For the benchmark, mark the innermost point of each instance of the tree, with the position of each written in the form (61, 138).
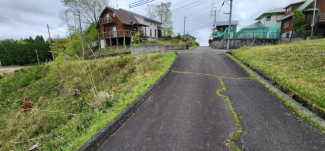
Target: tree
(89, 9)
(299, 23)
(151, 11)
(59, 46)
(22, 52)
(165, 16)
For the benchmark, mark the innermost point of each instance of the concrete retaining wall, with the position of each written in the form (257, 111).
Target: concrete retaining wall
(148, 49)
(158, 48)
(292, 39)
(237, 43)
(175, 47)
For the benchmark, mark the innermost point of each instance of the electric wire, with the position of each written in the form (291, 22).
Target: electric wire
(137, 4)
(201, 10)
(179, 9)
(263, 4)
(178, 3)
(200, 27)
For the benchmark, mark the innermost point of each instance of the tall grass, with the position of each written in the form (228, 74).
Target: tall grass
(64, 120)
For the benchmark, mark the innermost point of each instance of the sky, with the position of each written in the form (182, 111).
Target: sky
(24, 18)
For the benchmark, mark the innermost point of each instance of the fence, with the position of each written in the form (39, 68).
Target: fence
(259, 33)
(252, 33)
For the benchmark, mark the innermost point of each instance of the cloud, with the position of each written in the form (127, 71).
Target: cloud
(24, 18)
(21, 19)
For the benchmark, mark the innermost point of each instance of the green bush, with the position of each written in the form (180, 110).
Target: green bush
(210, 41)
(136, 38)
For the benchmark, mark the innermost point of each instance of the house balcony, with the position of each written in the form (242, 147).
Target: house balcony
(105, 20)
(116, 34)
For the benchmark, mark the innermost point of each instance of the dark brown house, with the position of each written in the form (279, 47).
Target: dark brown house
(307, 7)
(118, 27)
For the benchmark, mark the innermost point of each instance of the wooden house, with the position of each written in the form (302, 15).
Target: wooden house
(118, 27)
(307, 6)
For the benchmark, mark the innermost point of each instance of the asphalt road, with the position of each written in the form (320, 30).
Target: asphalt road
(9, 69)
(185, 113)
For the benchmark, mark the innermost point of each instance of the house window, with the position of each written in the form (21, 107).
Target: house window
(288, 10)
(268, 18)
(150, 32)
(286, 24)
(107, 15)
(114, 15)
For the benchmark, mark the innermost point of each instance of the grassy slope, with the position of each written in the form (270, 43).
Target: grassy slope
(300, 66)
(64, 121)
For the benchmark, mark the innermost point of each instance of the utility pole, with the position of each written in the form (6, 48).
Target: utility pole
(37, 56)
(215, 19)
(184, 26)
(48, 29)
(82, 40)
(314, 15)
(229, 28)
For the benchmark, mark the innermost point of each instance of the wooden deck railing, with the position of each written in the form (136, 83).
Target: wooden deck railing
(105, 20)
(322, 18)
(114, 34)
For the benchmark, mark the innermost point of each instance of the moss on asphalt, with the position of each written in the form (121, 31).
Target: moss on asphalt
(286, 103)
(297, 66)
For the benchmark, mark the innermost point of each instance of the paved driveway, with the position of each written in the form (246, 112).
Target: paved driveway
(185, 113)
(11, 69)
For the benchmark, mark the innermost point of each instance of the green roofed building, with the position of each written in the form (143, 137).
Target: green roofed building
(268, 26)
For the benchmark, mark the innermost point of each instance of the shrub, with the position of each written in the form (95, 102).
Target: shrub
(210, 41)
(136, 38)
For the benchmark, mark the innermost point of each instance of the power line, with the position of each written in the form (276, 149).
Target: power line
(200, 27)
(200, 19)
(201, 10)
(198, 11)
(58, 30)
(188, 5)
(140, 3)
(59, 26)
(178, 3)
(264, 4)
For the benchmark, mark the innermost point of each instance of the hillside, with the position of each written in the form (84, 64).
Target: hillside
(299, 66)
(71, 100)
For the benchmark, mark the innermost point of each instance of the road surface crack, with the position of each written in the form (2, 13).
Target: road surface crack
(234, 138)
(216, 76)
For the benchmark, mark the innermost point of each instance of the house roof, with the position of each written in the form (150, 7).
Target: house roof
(295, 4)
(144, 17)
(273, 11)
(257, 25)
(225, 23)
(127, 17)
(303, 6)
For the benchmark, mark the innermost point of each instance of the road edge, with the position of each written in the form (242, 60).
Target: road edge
(102, 135)
(287, 100)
